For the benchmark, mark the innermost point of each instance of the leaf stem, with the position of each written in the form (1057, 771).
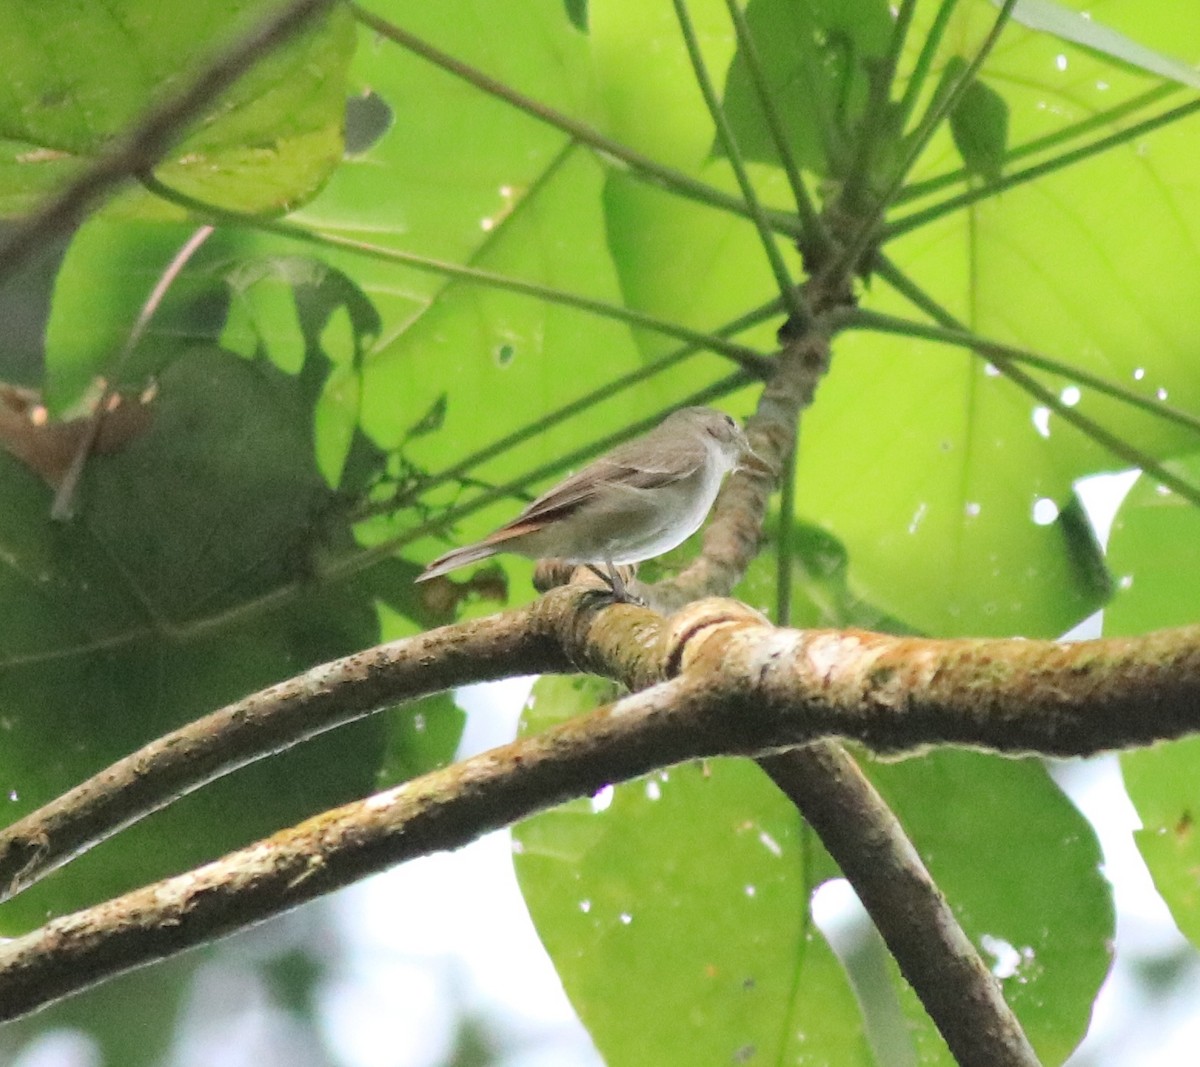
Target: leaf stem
(916, 143)
(928, 187)
(920, 71)
(875, 122)
(970, 196)
(1005, 359)
(800, 314)
(815, 235)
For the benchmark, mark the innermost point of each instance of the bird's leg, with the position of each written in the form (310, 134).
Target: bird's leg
(620, 591)
(611, 578)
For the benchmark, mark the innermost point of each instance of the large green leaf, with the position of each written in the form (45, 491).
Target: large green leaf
(1152, 550)
(74, 77)
(1020, 866)
(141, 614)
(942, 493)
(675, 908)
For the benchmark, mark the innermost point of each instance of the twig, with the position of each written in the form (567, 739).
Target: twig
(62, 508)
(934, 954)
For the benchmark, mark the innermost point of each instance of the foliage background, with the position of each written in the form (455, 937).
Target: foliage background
(339, 393)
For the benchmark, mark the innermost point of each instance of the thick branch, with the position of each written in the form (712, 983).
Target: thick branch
(743, 687)
(564, 631)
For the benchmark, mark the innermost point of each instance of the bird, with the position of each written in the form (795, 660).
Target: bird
(637, 501)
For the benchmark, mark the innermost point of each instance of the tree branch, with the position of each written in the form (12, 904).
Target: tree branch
(934, 954)
(741, 686)
(266, 722)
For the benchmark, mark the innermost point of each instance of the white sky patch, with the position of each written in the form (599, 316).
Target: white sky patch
(1041, 420)
(1045, 511)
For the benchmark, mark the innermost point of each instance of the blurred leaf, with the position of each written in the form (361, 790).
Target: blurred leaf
(423, 736)
(69, 85)
(1152, 551)
(815, 58)
(692, 884)
(132, 1039)
(140, 616)
(979, 124)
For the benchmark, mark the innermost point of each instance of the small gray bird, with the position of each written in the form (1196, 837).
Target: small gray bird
(638, 501)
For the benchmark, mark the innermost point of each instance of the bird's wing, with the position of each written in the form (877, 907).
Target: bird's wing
(627, 465)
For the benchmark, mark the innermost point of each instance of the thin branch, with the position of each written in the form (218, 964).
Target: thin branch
(867, 233)
(784, 541)
(800, 313)
(1007, 366)
(815, 236)
(63, 506)
(160, 128)
(929, 186)
(916, 80)
(934, 954)
(862, 318)
(1039, 170)
(878, 118)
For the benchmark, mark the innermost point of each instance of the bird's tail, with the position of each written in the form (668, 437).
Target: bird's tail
(459, 557)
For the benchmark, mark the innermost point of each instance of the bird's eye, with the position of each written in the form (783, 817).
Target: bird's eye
(729, 422)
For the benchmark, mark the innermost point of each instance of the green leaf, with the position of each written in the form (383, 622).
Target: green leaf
(142, 615)
(1162, 784)
(717, 958)
(1021, 868)
(815, 58)
(423, 736)
(69, 85)
(821, 592)
(1152, 551)
(692, 885)
(979, 124)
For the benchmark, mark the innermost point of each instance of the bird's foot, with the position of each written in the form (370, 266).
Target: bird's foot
(621, 593)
